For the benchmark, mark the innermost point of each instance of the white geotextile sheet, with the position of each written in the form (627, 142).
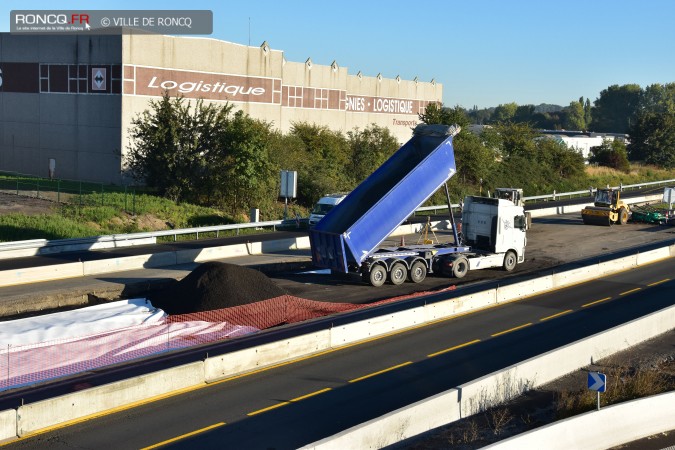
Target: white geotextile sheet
(56, 345)
(88, 321)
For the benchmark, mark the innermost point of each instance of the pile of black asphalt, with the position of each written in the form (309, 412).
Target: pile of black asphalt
(215, 285)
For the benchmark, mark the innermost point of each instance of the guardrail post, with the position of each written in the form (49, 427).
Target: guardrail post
(553, 195)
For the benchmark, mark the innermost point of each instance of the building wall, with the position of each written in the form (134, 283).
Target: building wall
(48, 109)
(73, 98)
(288, 92)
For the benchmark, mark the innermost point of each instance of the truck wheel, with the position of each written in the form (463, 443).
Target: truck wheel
(398, 274)
(378, 275)
(460, 267)
(418, 272)
(510, 260)
(623, 216)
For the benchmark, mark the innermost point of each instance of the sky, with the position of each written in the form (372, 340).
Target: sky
(484, 53)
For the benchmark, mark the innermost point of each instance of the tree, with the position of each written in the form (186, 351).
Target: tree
(616, 108)
(369, 149)
(611, 154)
(327, 155)
(171, 143)
(504, 113)
(436, 114)
(653, 139)
(201, 153)
(575, 118)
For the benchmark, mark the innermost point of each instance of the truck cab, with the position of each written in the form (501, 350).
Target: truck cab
(324, 205)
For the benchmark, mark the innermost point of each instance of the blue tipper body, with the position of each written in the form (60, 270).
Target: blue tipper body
(354, 229)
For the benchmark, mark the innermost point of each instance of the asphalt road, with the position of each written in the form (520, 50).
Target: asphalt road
(300, 402)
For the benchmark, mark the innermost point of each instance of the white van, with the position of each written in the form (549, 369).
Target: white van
(324, 205)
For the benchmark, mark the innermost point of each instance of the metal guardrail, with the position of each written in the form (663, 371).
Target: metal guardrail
(121, 238)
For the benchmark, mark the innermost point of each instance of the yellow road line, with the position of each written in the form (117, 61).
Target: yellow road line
(302, 397)
(556, 315)
(269, 408)
(659, 282)
(631, 291)
(183, 436)
(512, 329)
(597, 301)
(453, 348)
(380, 372)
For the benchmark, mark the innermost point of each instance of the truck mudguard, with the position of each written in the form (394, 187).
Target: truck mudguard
(354, 229)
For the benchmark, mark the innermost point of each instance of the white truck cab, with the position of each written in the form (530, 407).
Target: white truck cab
(324, 205)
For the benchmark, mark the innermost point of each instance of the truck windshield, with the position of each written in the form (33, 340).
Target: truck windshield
(322, 208)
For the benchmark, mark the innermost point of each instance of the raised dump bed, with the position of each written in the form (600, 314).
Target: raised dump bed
(354, 229)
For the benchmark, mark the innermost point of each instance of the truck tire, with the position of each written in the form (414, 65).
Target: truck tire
(510, 260)
(398, 273)
(418, 272)
(460, 267)
(377, 275)
(623, 216)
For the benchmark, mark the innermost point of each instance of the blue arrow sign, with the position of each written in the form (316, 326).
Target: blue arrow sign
(597, 381)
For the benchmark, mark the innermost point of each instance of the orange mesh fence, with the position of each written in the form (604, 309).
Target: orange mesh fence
(22, 365)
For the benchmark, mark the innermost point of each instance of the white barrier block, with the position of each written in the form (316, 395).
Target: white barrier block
(46, 413)
(210, 253)
(395, 426)
(245, 360)
(448, 308)
(43, 273)
(653, 255)
(574, 276)
(7, 424)
(616, 265)
(282, 244)
(129, 263)
(524, 289)
(611, 426)
(376, 326)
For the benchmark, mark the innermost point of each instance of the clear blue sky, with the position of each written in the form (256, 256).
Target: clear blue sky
(484, 53)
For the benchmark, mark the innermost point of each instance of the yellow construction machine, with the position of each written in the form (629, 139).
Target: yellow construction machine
(608, 209)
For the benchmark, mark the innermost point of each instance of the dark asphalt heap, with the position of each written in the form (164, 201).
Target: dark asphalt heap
(215, 285)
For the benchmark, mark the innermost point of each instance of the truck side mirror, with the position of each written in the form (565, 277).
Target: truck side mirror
(520, 222)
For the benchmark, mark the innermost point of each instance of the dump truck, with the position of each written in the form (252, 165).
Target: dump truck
(608, 208)
(348, 238)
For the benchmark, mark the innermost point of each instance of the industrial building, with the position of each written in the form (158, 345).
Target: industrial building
(67, 101)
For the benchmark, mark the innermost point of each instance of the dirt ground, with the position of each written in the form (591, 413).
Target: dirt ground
(30, 206)
(539, 407)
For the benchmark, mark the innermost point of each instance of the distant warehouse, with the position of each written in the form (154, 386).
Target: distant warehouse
(67, 102)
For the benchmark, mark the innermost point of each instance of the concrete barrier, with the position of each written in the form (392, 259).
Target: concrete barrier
(7, 424)
(249, 359)
(397, 425)
(36, 416)
(43, 273)
(522, 289)
(460, 305)
(211, 253)
(100, 266)
(609, 427)
(376, 326)
(616, 265)
(573, 276)
(652, 255)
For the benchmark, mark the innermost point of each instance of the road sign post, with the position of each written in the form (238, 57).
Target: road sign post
(597, 382)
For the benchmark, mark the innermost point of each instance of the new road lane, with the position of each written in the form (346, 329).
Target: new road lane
(299, 402)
